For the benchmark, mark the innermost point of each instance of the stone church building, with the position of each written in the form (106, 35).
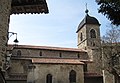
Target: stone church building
(45, 64)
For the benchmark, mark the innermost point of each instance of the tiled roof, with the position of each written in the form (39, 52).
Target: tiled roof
(56, 61)
(48, 48)
(29, 6)
(44, 59)
(87, 20)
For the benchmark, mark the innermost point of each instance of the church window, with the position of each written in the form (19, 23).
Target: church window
(60, 54)
(92, 33)
(18, 53)
(49, 78)
(78, 55)
(81, 36)
(72, 76)
(40, 53)
(85, 67)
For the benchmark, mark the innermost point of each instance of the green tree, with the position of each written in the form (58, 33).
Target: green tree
(111, 9)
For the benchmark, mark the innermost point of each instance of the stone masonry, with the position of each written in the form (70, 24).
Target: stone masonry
(5, 7)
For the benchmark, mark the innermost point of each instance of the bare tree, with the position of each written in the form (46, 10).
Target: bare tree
(111, 51)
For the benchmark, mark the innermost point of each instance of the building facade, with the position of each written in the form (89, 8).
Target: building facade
(45, 64)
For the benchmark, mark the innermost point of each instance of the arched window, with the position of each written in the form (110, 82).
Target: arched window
(72, 76)
(81, 36)
(49, 78)
(92, 33)
(18, 53)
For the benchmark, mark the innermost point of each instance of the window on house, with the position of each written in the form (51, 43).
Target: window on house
(92, 33)
(18, 53)
(49, 78)
(72, 76)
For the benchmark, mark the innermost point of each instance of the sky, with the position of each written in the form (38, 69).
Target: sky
(58, 27)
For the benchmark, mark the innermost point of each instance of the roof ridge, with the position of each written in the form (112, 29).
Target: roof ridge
(48, 47)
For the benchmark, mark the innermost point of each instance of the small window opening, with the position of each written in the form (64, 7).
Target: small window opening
(85, 67)
(81, 36)
(40, 53)
(72, 76)
(60, 54)
(78, 55)
(49, 78)
(18, 53)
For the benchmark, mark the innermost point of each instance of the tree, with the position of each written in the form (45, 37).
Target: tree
(111, 52)
(111, 9)
(112, 34)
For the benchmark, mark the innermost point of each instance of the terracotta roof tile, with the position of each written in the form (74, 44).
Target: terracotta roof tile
(49, 48)
(56, 61)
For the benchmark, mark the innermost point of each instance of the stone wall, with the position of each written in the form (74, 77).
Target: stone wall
(50, 53)
(59, 72)
(5, 6)
(19, 66)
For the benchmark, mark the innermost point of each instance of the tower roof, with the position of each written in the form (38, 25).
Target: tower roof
(88, 20)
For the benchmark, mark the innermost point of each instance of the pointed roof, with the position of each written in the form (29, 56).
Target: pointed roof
(87, 20)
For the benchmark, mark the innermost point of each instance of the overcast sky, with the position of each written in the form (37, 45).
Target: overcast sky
(58, 27)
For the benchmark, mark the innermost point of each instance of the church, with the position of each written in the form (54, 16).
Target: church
(45, 64)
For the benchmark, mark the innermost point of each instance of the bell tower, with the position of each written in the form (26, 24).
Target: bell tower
(88, 32)
(89, 39)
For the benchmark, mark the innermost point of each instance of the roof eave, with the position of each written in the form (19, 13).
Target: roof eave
(26, 7)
